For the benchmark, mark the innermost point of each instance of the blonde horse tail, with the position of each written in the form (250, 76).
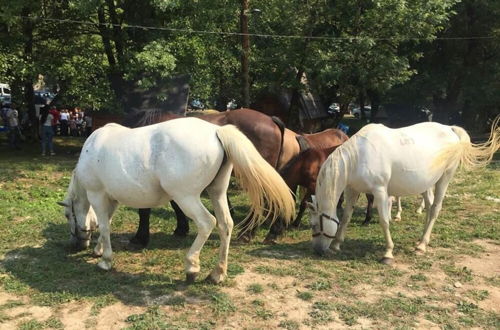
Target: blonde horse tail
(471, 155)
(268, 193)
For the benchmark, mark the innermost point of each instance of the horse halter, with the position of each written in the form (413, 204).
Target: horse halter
(77, 229)
(321, 232)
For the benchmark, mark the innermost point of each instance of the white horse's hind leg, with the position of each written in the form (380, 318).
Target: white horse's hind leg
(218, 195)
(205, 222)
(433, 211)
(104, 209)
(383, 203)
(400, 209)
(350, 197)
(428, 198)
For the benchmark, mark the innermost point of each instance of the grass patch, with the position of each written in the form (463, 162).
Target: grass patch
(305, 295)
(222, 304)
(37, 265)
(255, 288)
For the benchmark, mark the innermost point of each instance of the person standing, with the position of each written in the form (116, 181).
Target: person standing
(14, 133)
(64, 122)
(88, 125)
(47, 130)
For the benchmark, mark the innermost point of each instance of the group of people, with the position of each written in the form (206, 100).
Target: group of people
(71, 122)
(52, 122)
(64, 122)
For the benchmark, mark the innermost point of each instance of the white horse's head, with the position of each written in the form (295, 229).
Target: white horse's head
(82, 221)
(324, 227)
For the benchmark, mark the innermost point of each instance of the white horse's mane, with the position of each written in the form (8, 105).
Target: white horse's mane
(72, 188)
(343, 158)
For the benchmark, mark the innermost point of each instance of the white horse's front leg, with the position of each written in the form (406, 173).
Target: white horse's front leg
(350, 197)
(103, 209)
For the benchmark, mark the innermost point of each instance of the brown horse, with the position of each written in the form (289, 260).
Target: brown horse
(266, 133)
(304, 165)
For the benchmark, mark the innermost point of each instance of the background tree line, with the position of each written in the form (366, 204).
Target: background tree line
(442, 54)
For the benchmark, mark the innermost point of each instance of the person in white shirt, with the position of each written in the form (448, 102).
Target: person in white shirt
(64, 122)
(14, 133)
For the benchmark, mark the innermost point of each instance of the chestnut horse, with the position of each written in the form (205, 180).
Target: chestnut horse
(302, 170)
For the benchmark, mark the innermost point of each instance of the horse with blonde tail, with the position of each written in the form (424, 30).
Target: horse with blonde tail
(393, 162)
(176, 160)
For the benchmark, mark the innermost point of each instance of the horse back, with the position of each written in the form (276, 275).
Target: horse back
(330, 137)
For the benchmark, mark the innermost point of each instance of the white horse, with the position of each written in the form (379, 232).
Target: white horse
(392, 162)
(174, 160)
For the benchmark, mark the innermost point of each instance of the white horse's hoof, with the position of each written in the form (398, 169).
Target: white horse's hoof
(105, 265)
(191, 277)
(387, 261)
(397, 219)
(97, 253)
(421, 248)
(215, 277)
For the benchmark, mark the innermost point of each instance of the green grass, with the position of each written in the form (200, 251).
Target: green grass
(39, 268)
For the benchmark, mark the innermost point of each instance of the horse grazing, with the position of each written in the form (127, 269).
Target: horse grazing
(307, 151)
(175, 160)
(303, 171)
(392, 162)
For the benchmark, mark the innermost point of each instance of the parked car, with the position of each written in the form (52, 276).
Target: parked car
(356, 112)
(5, 93)
(196, 104)
(334, 107)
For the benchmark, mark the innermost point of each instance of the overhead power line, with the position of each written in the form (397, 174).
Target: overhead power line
(258, 35)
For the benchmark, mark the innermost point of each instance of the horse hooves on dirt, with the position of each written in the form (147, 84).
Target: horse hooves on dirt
(387, 261)
(191, 277)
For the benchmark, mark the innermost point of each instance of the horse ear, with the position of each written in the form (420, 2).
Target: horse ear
(64, 203)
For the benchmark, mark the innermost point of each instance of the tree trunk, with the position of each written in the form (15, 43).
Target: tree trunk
(115, 75)
(29, 97)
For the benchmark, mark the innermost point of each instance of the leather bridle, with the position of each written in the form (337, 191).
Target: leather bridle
(321, 232)
(77, 229)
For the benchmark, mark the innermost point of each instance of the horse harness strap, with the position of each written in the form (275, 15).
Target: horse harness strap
(321, 232)
(303, 144)
(75, 234)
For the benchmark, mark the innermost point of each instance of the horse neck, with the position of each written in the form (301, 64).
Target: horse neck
(76, 191)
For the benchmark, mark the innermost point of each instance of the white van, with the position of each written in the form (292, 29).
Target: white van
(5, 93)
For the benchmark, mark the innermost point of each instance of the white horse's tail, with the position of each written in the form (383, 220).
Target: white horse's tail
(265, 187)
(470, 155)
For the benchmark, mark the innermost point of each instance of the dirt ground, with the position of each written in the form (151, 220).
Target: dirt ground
(282, 303)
